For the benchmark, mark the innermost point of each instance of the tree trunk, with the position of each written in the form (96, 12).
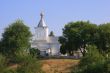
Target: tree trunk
(83, 52)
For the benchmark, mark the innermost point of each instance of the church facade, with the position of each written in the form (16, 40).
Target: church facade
(47, 44)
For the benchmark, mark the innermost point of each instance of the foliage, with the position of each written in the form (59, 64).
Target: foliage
(20, 57)
(77, 35)
(62, 49)
(15, 38)
(29, 64)
(2, 63)
(51, 33)
(26, 63)
(93, 62)
(34, 52)
(103, 40)
(107, 65)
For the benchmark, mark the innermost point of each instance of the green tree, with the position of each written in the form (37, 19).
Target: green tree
(51, 33)
(63, 49)
(62, 40)
(16, 37)
(77, 35)
(103, 40)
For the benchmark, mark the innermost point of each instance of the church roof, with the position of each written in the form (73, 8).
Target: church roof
(42, 22)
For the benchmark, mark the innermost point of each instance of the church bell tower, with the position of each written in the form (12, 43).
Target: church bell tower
(41, 31)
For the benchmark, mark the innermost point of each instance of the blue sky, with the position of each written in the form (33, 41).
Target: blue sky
(57, 12)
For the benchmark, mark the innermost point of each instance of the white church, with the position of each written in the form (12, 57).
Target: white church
(48, 45)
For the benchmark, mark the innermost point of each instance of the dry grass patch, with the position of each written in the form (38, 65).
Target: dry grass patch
(58, 65)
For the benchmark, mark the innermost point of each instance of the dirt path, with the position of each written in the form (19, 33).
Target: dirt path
(58, 65)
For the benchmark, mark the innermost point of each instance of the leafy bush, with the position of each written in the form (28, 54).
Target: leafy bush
(34, 52)
(4, 66)
(107, 65)
(20, 57)
(26, 63)
(93, 62)
(2, 63)
(29, 65)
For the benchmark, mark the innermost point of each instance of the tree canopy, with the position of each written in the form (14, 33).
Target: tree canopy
(103, 40)
(16, 37)
(77, 35)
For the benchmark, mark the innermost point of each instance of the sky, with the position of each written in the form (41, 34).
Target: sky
(57, 13)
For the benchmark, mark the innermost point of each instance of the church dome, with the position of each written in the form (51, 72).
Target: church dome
(42, 22)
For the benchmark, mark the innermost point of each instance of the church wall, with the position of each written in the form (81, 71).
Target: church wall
(44, 47)
(55, 49)
(53, 39)
(41, 33)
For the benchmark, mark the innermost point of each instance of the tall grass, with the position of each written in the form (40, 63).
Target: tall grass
(29, 64)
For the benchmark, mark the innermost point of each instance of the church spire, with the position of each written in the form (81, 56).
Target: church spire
(42, 22)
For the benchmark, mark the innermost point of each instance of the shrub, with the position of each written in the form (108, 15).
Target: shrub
(34, 52)
(4, 66)
(26, 63)
(93, 62)
(29, 65)
(2, 63)
(107, 65)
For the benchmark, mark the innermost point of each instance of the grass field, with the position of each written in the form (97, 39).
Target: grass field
(58, 65)
(55, 65)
